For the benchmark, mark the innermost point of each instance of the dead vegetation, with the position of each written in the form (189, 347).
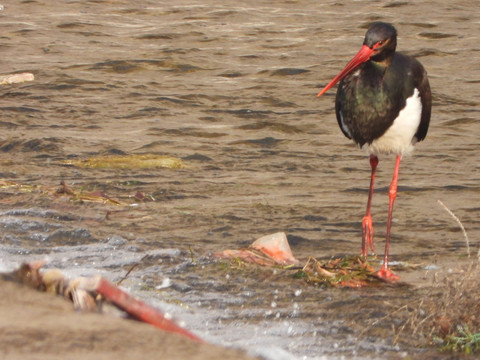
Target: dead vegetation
(448, 315)
(63, 190)
(349, 271)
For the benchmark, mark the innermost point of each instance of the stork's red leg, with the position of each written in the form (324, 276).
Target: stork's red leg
(367, 223)
(385, 271)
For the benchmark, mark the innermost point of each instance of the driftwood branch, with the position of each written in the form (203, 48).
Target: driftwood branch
(16, 78)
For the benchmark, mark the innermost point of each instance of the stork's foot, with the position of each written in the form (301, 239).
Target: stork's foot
(386, 274)
(367, 235)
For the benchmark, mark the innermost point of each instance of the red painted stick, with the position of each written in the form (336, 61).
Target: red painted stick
(139, 309)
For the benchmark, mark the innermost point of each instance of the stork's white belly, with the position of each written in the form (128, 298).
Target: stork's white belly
(400, 137)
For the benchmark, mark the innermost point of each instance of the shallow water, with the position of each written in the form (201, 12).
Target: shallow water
(231, 88)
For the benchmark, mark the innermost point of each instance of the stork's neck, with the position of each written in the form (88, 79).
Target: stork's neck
(384, 58)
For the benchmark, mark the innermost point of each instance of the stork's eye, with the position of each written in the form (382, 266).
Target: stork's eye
(378, 44)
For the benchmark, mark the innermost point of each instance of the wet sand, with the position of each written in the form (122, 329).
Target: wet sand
(42, 326)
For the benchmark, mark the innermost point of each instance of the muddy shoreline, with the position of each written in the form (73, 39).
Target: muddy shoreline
(42, 326)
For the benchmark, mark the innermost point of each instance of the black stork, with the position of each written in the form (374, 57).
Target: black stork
(383, 103)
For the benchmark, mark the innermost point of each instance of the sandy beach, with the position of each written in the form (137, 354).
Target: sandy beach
(37, 325)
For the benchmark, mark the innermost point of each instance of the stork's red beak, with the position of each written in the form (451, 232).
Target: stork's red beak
(362, 56)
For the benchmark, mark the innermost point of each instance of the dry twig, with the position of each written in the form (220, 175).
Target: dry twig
(459, 224)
